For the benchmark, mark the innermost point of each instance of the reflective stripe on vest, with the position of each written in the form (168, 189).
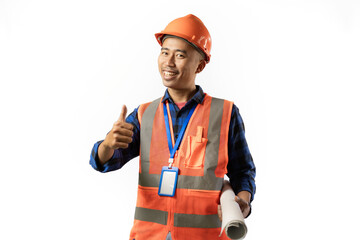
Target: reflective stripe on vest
(180, 220)
(207, 182)
(196, 221)
(151, 215)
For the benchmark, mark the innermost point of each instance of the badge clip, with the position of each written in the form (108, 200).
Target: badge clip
(171, 161)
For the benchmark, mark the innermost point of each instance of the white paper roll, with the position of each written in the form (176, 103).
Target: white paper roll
(232, 217)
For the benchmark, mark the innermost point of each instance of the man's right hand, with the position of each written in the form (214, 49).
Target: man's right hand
(120, 136)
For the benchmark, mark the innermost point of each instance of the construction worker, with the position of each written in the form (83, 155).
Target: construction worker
(187, 141)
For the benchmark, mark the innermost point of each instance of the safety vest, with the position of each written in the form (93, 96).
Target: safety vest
(202, 161)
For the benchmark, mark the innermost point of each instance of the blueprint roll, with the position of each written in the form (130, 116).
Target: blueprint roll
(232, 218)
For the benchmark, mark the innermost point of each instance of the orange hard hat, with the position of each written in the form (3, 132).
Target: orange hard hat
(192, 29)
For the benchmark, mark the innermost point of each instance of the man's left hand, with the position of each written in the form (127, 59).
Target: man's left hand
(244, 206)
(242, 198)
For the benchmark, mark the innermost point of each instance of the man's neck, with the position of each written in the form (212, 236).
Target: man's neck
(183, 95)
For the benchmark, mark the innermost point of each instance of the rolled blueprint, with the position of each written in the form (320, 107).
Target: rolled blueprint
(232, 217)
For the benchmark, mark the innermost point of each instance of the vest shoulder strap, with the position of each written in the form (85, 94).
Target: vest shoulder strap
(143, 107)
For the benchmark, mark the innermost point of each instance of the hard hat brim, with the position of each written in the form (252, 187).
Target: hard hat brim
(159, 37)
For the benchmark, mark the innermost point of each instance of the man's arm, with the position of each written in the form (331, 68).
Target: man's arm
(241, 168)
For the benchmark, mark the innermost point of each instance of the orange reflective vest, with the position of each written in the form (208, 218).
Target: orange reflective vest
(202, 161)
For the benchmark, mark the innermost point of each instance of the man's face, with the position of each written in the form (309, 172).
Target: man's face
(178, 64)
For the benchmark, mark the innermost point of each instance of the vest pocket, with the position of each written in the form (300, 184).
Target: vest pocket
(195, 151)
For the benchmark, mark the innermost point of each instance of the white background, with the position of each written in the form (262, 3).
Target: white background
(66, 68)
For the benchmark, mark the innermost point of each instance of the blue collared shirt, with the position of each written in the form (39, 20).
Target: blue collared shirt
(241, 168)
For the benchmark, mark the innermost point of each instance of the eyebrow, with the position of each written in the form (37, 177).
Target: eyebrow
(177, 50)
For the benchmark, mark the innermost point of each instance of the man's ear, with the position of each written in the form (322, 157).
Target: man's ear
(201, 66)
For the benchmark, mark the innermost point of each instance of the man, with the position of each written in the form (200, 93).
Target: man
(187, 142)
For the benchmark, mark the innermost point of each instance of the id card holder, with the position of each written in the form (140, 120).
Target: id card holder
(168, 181)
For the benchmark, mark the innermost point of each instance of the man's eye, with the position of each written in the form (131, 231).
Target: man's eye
(164, 53)
(180, 55)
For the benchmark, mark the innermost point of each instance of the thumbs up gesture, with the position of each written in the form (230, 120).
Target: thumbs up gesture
(121, 133)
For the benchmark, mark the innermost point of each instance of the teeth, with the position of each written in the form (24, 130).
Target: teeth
(169, 74)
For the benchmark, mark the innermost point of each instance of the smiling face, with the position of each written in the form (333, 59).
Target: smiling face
(179, 63)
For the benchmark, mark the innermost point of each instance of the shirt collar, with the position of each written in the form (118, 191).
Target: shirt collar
(198, 96)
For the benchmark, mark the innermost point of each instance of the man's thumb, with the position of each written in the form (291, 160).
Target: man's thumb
(123, 114)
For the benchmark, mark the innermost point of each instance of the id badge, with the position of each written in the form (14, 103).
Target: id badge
(168, 181)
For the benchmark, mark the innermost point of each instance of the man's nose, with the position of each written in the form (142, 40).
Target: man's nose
(170, 61)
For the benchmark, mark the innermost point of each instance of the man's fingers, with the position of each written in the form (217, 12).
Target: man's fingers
(121, 145)
(226, 186)
(219, 212)
(123, 131)
(128, 126)
(123, 114)
(241, 203)
(244, 206)
(123, 125)
(121, 120)
(122, 138)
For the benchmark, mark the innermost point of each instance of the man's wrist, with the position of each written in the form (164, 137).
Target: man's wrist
(245, 195)
(105, 153)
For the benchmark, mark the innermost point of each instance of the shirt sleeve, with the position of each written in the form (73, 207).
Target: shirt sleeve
(241, 167)
(120, 156)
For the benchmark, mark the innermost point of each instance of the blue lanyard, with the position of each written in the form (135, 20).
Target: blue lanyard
(181, 134)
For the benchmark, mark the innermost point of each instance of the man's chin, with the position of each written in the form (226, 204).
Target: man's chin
(169, 84)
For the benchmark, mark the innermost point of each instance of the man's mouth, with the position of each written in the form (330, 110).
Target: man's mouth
(169, 74)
